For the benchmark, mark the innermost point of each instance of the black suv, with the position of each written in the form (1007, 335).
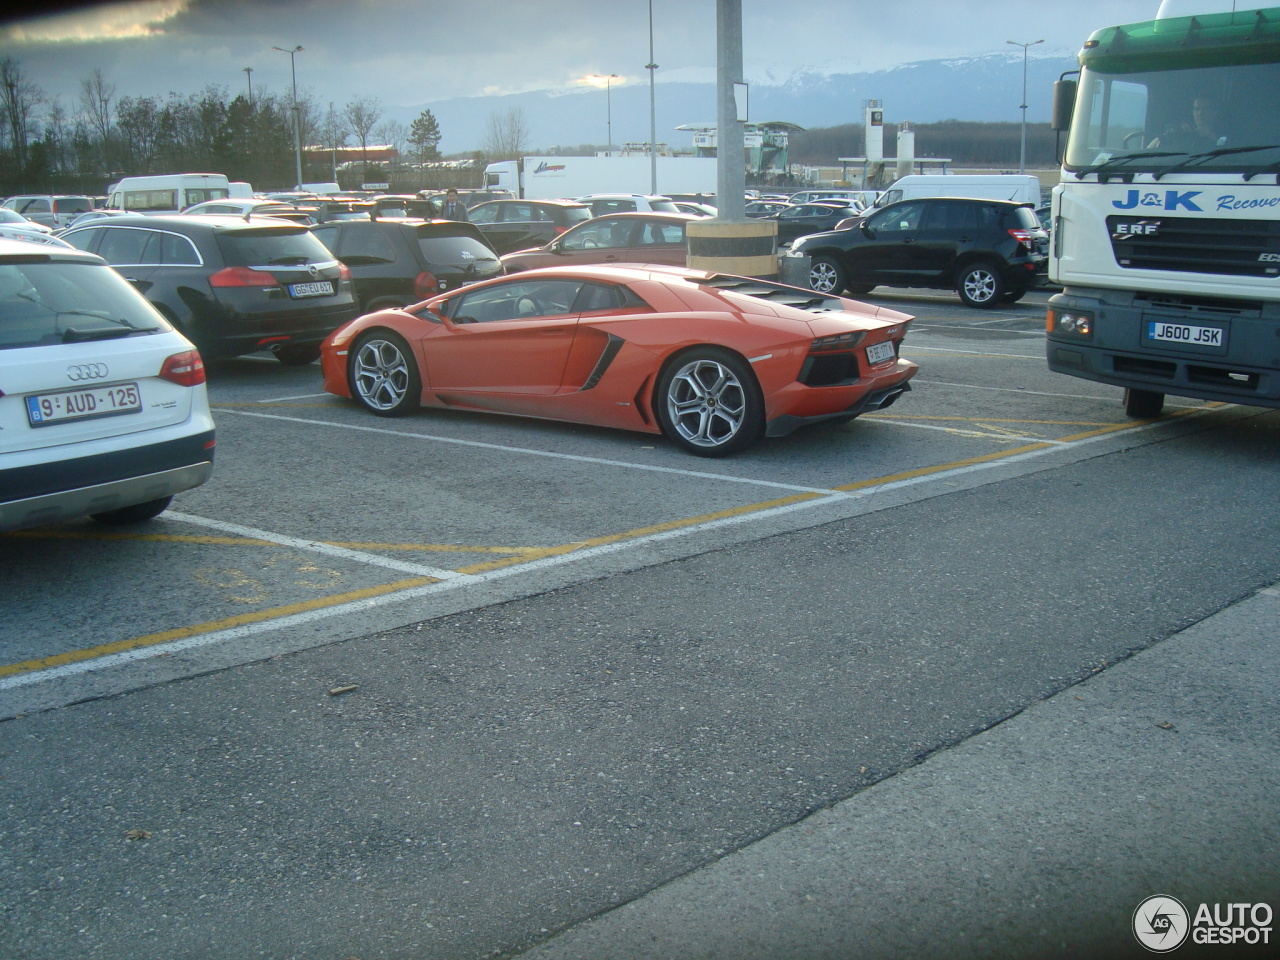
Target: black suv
(231, 286)
(511, 225)
(394, 263)
(989, 251)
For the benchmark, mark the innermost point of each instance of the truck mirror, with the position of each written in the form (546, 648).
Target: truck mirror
(1064, 102)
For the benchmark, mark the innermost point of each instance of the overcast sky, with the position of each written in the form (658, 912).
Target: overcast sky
(407, 52)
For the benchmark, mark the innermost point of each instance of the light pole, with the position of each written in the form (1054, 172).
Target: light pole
(297, 122)
(1022, 156)
(608, 101)
(248, 72)
(653, 116)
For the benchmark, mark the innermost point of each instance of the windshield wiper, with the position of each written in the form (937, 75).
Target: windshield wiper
(1117, 161)
(1210, 154)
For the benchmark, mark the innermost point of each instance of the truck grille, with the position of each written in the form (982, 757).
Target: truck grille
(1237, 248)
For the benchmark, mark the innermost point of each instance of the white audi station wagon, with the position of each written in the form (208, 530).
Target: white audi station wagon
(103, 404)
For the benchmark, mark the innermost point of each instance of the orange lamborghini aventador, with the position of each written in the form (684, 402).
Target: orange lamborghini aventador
(714, 362)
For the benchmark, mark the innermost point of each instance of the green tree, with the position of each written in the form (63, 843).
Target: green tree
(424, 137)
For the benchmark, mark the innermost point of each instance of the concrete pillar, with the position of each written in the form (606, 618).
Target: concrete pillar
(747, 248)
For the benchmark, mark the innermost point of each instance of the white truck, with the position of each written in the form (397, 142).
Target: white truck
(1021, 188)
(1166, 225)
(552, 178)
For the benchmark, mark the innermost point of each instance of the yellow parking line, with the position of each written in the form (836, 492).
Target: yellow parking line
(164, 636)
(533, 553)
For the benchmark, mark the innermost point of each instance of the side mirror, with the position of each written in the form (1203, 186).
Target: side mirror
(1064, 103)
(866, 228)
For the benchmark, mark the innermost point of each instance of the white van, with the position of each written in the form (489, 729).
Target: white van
(995, 186)
(167, 193)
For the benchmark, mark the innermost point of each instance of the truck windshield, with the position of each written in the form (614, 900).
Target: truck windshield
(1227, 116)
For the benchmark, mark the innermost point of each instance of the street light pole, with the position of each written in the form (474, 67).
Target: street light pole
(297, 121)
(653, 116)
(248, 72)
(1022, 156)
(608, 104)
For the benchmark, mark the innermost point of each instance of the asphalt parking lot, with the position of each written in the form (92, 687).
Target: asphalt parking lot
(440, 687)
(322, 522)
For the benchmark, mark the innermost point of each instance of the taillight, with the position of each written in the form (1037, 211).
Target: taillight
(1022, 236)
(344, 273)
(425, 285)
(838, 341)
(242, 277)
(559, 230)
(185, 369)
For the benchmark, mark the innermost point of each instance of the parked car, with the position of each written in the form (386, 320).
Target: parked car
(394, 263)
(602, 203)
(511, 225)
(619, 238)
(644, 348)
(12, 220)
(104, 411)
(697, 209)
(834, 193)
(250, 207)
(805, 218)
(53, 210)
(404, 206)
(95, 214)
(988, 251)
(233, 286)
(765, 208)
(324, 209)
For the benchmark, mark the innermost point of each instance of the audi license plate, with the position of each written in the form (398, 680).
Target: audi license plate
(321, 288)
(1184, 333)
(879, 352)
(46, 408)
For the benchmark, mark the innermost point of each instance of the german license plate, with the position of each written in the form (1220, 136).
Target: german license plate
(321, 288)
(46, 408)
(880, 352)
(1185, 333)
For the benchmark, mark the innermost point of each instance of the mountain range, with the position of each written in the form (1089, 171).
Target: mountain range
(987, 88)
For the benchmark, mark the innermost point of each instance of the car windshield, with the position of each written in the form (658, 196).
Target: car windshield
(44, 303)
(276, 247)
(1225, 117)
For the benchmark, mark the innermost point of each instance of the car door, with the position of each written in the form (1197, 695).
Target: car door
(602, 240)
(885, 249)
(519, 225)
(658, 241)
(946, 227)
(509, 338)
(134, 252)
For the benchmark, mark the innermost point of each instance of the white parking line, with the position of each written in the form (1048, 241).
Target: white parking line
(696, 474)
(328, 549)
(975, 353)
(304, 396)
(456, 580)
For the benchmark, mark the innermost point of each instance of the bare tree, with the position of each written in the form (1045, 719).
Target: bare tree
(508, 134)
(18, 99)
(395, 134)
(361, 114)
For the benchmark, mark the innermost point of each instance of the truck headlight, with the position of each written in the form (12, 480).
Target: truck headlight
(1069, 323)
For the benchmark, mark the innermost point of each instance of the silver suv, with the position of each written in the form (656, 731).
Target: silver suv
(103, 409)
(54, 211)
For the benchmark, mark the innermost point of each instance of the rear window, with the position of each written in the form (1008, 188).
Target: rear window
(664, 206)
(46, 303)
(277, 247)
(576, 214)
(72, 205)
(454, 249)
(1026, 217)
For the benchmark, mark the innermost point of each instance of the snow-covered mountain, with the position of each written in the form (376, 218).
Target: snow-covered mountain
(982, 88)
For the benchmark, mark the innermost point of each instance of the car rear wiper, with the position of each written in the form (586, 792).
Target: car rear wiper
(76, 335)
(125, 326)
(1117, 161)
(1210, 154)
